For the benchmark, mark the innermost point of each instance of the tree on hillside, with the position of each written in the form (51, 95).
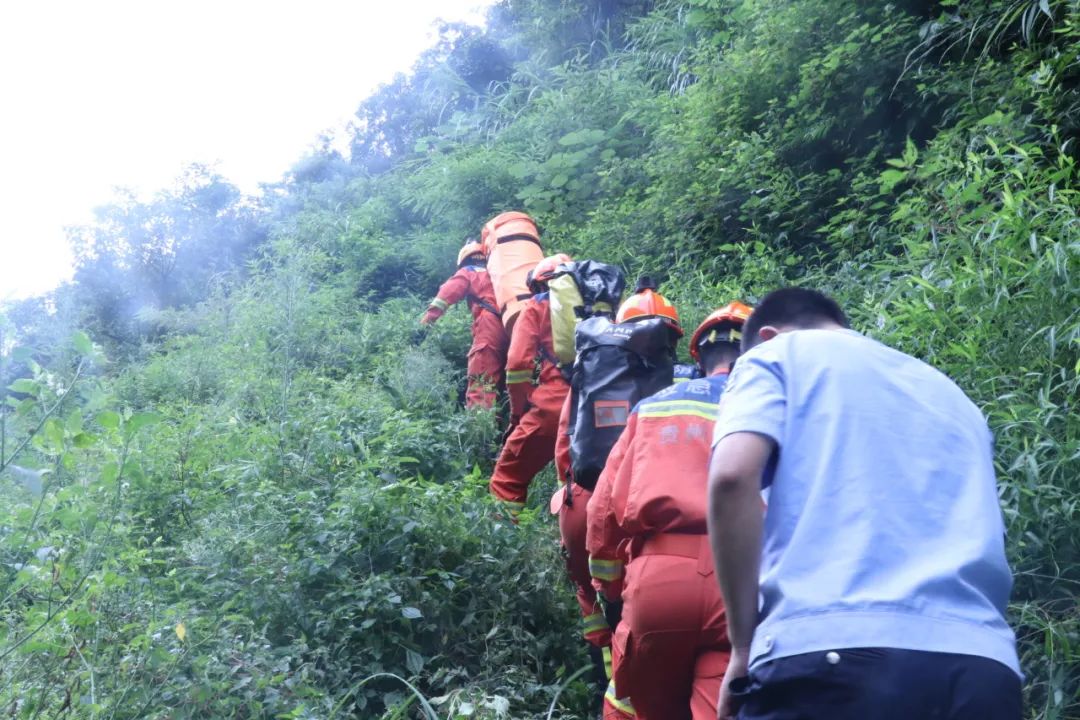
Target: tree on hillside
(451, 76)
(552, 30)
(161, 254)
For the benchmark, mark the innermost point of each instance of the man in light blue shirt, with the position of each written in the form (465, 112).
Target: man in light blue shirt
(876, 584)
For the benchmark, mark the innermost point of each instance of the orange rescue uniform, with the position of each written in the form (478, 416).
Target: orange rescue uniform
(572, 517)
(648, 546)
(534, 406)
(572, 525)
(487, 356)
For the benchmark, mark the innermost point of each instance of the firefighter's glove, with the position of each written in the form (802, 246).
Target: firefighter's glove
(612, 611)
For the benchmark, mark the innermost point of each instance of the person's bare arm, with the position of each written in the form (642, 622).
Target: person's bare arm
(735, 528)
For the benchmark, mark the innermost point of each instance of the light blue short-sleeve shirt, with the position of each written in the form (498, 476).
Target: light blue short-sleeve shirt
(883, 526)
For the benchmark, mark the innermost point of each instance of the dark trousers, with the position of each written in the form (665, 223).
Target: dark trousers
(879, 684)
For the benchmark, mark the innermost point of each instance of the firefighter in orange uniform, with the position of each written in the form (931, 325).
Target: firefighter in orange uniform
(648, 545)
(644, 304)
(487, 356)
(595, 626)
(535, 402)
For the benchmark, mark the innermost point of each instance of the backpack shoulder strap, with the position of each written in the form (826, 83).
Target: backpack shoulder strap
(547, 356)
(484, 304)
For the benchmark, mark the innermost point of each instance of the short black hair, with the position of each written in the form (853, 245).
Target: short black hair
(713, 355)
(792, 306)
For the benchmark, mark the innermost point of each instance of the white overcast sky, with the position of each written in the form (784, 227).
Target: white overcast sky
(96, 94)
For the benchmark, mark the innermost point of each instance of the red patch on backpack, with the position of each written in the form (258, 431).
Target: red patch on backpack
(611, 413)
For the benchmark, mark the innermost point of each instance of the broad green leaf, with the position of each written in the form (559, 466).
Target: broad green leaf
(414, 661)
(110, 471)
(108, 420)
(82, 343)
(994, 118)
(54, 433)
(411, 613)
(140, 420)
(519, 170)
(84, 440)
(911, 153)
(74, 422)
(25, 407)
(890, 179)
(572, 138)
(25, 386)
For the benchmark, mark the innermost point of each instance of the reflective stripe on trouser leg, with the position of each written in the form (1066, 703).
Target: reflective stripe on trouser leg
(621, 706)
(518, 376)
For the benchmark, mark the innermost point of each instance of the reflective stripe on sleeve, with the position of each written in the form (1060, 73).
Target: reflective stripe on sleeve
(605, 569)
(518, 376)
(440, 303)
(594, 623)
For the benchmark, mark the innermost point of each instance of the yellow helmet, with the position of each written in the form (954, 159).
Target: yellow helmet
(470, 249)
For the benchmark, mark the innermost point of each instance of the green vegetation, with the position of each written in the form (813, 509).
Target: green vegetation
(248, 487)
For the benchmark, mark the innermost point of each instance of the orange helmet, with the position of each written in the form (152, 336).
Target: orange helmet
(468, 250)
(545, 270)
(647, 303)
(723, 325)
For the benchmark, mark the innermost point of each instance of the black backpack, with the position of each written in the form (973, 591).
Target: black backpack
(580, 290)
(617, 365)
